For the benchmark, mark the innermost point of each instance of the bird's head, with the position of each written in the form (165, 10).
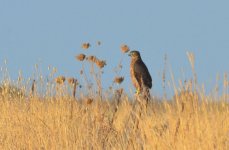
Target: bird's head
(134, 54)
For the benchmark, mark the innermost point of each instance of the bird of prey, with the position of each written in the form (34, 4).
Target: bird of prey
(140, 75)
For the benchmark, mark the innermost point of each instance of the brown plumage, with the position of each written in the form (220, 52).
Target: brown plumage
(140, 75)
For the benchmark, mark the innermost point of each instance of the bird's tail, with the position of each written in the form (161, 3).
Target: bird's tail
(146, 95)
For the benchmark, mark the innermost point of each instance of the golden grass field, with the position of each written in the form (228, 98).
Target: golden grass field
(64, 123)
(191, 120)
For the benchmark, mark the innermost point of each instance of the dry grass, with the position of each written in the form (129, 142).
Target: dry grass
(125, 48)
(64, 123)
(100, 120)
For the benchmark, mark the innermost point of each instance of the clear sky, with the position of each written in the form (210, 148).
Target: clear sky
(50, 32)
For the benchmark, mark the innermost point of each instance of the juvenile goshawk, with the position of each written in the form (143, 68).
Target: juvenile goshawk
(140, 75)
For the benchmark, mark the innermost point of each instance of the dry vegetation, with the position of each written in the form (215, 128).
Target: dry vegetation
(98, 119)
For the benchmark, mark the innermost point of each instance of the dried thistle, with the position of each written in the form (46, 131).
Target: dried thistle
(125, 48)
(118, 80)
(100, 63)
(86, 45)
(80, 57)
(60, 80)
(98, 43)
(72, 81)
(91, 59)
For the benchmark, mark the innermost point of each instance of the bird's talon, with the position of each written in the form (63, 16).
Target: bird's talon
(137, 92)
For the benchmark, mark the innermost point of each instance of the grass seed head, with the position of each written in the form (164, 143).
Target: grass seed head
(80, 57)
(72, 81)
(101, 63)
(125, 48)
(98, 43)
(86, 45)
(118, 80)
(91, 59)
(60, 80)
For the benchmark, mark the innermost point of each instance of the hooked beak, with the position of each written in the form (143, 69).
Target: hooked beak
(129, 54)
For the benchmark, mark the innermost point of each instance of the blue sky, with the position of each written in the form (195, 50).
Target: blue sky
(50, 32)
